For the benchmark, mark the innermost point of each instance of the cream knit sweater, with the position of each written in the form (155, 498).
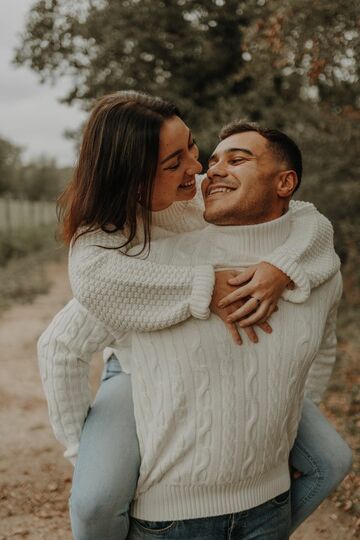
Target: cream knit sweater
(127, 293)
(193, 376)
(216, 421)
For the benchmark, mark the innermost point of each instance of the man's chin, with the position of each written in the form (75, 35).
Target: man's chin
(213, 218)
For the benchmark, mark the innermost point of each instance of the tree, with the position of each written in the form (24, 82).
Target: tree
(40, 179)
(10, 163)
(290, 64)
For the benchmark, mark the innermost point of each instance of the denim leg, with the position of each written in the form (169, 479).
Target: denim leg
(210, 528)
(107, 466)
(323, 458)
(268, 521)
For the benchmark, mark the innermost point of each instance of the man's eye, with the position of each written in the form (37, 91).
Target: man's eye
(236, 160)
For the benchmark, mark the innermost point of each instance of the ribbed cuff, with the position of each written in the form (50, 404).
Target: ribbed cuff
(71, 453)
(202, 291)
(302, 289)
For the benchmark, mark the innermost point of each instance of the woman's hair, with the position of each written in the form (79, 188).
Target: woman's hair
(116, 166)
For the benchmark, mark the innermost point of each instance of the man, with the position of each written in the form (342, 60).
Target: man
(217, 431)
(216, 422)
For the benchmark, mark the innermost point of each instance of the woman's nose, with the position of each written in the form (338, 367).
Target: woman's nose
(194, 168)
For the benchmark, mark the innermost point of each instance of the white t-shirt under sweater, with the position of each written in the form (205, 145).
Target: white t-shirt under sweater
(215, 421)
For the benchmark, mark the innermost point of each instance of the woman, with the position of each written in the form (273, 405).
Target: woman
(110, 182)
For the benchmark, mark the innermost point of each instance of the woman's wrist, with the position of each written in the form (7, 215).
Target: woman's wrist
(203, 286)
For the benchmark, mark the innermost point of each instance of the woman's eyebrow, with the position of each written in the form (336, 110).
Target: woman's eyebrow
(170, 156)
(176, 153)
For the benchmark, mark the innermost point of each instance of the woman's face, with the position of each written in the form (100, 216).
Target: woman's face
(177, 165)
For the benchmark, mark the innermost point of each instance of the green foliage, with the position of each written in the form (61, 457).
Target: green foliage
(9, 163)
(40, 179)
(22, 264)
(290, 64)
(23, 242)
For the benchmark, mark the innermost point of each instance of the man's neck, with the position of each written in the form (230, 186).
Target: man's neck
(254, 220)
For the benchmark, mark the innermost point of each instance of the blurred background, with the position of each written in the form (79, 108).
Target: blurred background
(289, 64)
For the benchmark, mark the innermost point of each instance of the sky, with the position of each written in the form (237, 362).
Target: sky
(30, 113)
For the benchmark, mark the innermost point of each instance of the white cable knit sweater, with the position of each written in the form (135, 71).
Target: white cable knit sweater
(128, 293)
(215, 421)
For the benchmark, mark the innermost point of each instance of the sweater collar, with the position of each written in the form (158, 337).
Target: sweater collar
(255, 240)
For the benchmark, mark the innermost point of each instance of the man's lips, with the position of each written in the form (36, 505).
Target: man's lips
(218, 188)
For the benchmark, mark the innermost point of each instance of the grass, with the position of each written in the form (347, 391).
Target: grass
(23, 256)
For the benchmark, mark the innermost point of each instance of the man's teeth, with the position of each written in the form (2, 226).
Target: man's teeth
(220, 190)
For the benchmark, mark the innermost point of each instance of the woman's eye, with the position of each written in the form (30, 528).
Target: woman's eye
(173, 167)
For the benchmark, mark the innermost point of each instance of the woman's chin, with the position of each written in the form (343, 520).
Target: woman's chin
(183, 194)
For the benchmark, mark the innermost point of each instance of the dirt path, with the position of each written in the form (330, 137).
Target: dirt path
(34, 477)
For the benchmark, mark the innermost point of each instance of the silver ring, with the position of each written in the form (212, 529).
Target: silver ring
(258, 301)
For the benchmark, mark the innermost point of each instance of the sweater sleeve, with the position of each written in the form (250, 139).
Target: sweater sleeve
(65, 350)
(308, 256)
(128, 293)
(323, 363)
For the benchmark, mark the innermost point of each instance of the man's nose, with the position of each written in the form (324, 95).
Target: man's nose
(216, 170)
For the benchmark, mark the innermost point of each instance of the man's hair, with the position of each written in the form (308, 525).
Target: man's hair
(280, 144)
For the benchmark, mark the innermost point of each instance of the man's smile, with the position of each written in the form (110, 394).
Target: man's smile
(214, 189)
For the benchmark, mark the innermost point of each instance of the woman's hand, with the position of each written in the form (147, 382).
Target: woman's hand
(262, 286)
(223, 288)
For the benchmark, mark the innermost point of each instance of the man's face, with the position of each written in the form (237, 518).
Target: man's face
(241, 183)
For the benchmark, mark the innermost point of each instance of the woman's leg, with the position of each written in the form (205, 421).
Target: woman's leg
(108, 463)
(323, 459)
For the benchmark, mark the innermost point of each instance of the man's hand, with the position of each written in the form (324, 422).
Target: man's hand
(223, 289)
(262, 286)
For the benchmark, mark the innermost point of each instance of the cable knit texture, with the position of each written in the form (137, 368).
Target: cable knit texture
(128, 293)
(215, 421)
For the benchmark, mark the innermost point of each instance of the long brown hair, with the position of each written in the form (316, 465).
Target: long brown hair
(116, 166)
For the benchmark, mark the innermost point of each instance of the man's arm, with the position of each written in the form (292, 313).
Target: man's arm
(322, 366)
(65, 350)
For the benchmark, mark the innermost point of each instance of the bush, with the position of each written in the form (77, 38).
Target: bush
(23, 242)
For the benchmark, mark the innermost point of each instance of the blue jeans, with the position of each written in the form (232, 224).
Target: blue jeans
(269, 521)
(108, 463)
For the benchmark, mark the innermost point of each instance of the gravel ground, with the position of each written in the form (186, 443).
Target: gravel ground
(35, 479)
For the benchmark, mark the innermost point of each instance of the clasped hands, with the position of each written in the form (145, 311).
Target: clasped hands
(248, 298)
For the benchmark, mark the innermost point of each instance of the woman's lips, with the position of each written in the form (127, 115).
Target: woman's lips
(187, 185)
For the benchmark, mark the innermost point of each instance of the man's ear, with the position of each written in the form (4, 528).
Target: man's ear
(287, 183)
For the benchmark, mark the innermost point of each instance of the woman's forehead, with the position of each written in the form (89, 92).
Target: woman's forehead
(174, 133)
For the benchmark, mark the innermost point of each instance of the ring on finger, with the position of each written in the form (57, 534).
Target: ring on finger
(258, 301)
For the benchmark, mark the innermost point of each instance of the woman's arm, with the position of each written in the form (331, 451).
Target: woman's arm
(322, 366)
(127, 293)
(65, 350)
(306, 260)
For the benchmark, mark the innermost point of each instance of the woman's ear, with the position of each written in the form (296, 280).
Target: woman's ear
(287, 183)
